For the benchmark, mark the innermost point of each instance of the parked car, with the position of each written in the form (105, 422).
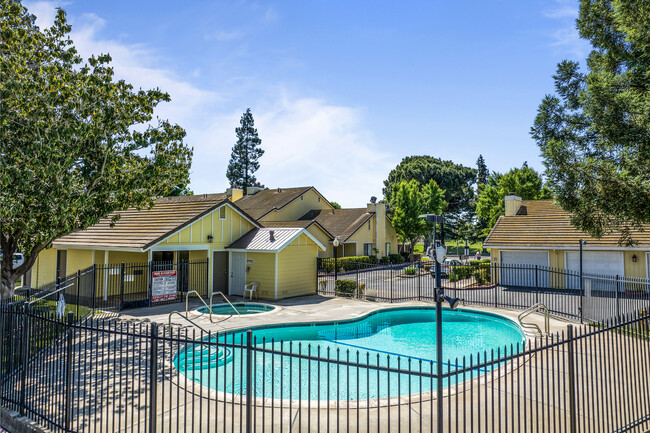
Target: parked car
(19, 259)
(445, 267)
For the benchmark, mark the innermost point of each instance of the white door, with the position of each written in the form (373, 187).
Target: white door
(237, 274)
(518, 268)
(596, 264)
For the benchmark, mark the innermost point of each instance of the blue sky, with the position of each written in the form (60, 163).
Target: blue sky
(341, 91)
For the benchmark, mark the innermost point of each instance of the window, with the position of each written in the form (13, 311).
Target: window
(368, 224)
(302, 197)
(222, 213)
(388, 248)
(367, 249)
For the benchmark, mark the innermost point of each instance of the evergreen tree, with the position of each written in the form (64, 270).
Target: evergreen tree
(482, 172)
(245, 154)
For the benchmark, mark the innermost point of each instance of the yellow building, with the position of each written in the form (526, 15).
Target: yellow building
(539, 233)
(186, 229)
(361, 231)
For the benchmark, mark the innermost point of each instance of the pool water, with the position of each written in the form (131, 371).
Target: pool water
(241, 307)
(402, 338)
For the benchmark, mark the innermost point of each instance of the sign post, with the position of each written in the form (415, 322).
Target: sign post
(163, 286)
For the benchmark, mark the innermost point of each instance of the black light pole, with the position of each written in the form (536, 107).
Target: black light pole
(336, 260)
(582, 288)
(439, 299)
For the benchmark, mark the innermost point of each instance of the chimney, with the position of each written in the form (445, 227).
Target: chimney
(252, 190)
(234, 194)
(379, 209)
(271, 233)
(513, 203)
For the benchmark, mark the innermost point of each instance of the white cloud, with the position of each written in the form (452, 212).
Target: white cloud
(565, 37)
(307, 141)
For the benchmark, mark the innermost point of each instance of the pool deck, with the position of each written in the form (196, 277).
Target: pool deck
(308, 309)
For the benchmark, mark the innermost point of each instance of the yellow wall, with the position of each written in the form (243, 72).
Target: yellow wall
(365, 234)
(324, 239)
(262, 270)
(44, 270)
(298, 207)
(297, 268)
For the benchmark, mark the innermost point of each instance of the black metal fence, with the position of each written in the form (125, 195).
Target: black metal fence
(117, 286)
(597, 298)
(107, 375)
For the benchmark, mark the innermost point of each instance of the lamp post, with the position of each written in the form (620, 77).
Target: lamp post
(582, 288)
(336, 244)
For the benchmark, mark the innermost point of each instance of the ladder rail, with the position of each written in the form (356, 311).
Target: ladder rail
(186, 318)
(226, 299)
(534, 309)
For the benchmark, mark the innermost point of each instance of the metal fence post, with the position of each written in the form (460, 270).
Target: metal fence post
(357, 289)
(618, 312)
(207, 277)
(153, 376)
(149, 282)
(122, 286)
(25, 359)
(391, 284)
(68, 373)
(537, 284)
(78, 289)
(572, 380)
(94, 286)
(419, 289)
(249, 381)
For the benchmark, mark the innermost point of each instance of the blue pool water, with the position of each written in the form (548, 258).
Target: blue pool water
(402, 338)
(241, 307)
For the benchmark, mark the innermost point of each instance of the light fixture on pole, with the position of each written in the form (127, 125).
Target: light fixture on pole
(336, 244)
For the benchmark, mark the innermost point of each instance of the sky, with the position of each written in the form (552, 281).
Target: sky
(340, 91)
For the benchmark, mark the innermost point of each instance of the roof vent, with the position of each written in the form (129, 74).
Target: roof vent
(279, 191)
(271, 238)
(373, 199)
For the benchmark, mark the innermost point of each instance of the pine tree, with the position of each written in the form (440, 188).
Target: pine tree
(245, 154)
(482, 172)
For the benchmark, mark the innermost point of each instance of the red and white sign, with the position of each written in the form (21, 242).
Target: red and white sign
(163, 286)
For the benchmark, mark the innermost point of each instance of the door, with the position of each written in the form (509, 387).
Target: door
(61, 263)
(518, 268)
(595, 264)
(237, 273)
(220, 272)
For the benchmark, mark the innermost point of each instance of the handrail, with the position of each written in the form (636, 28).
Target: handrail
(535, 308)
(186, 318)
(187, 309)
(224, 297)
(50, 293)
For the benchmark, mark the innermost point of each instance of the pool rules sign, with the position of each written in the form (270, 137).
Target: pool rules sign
(163, 286)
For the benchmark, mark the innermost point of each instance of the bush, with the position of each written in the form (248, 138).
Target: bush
(411, 270)
(396, 258)
(347, 263)
(347, 288)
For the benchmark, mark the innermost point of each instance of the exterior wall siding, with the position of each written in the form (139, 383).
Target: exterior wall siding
(262, 270)
(298, 208)
(297, 268)
(324, 239)
(365, 234)
(45, 268)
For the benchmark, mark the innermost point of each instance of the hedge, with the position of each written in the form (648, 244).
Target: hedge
(350, 263)
(347, 288)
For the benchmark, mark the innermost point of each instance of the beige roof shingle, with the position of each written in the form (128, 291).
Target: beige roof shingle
(541, 223)
(259, 204)
(140, 229)
(341, 223)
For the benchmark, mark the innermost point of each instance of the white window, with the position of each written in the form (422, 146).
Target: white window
(388, 248)
(367, 249)
(222, 213)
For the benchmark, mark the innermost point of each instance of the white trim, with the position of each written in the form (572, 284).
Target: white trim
(192, 233)
(284, 245)
(569, 248)
(548, 256)
(225, 217)
(59, 246)
(198, 247)
(647, 266)
(276, 276)
(229, 271)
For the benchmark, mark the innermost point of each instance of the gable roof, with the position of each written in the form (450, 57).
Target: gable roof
(263, 202)
(304, 224)
(260, 239)
(140, 229)
(541, 223)
(341, 223)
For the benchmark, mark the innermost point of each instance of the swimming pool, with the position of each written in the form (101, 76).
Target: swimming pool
(349, 360)
(241, 307)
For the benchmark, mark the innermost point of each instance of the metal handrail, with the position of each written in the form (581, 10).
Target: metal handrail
(50, 293)
(224, 297)
(535, 308)
(186, 318)
(187, 309)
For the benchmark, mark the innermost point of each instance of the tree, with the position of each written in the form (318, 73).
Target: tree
(523, 182)
(595, 133)
(244, 159)
(456, 180)
(73, 140)
(335, 205)
(410, 203)
(482, 172)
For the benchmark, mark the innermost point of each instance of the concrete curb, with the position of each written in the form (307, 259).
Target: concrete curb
(14, 423)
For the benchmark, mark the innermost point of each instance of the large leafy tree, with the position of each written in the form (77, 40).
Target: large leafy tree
(523, 182)
(410, 203)
(595, 132)
(456, 180)
(244, 159)
(73, 140)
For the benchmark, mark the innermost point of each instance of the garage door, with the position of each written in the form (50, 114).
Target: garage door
(596, 263)
(519, 268)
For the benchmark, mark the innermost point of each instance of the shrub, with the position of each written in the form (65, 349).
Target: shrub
(348, 263)
(411, 270)
(396, 258)
(347, 288)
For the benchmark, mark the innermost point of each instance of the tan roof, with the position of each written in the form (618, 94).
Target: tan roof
(304, 224)
(341, 223)
(268, 239)
(140, 229)
(541, 223)
(259, 204)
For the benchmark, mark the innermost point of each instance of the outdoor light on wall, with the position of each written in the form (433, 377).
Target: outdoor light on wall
(210, 238)
(634, 258)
